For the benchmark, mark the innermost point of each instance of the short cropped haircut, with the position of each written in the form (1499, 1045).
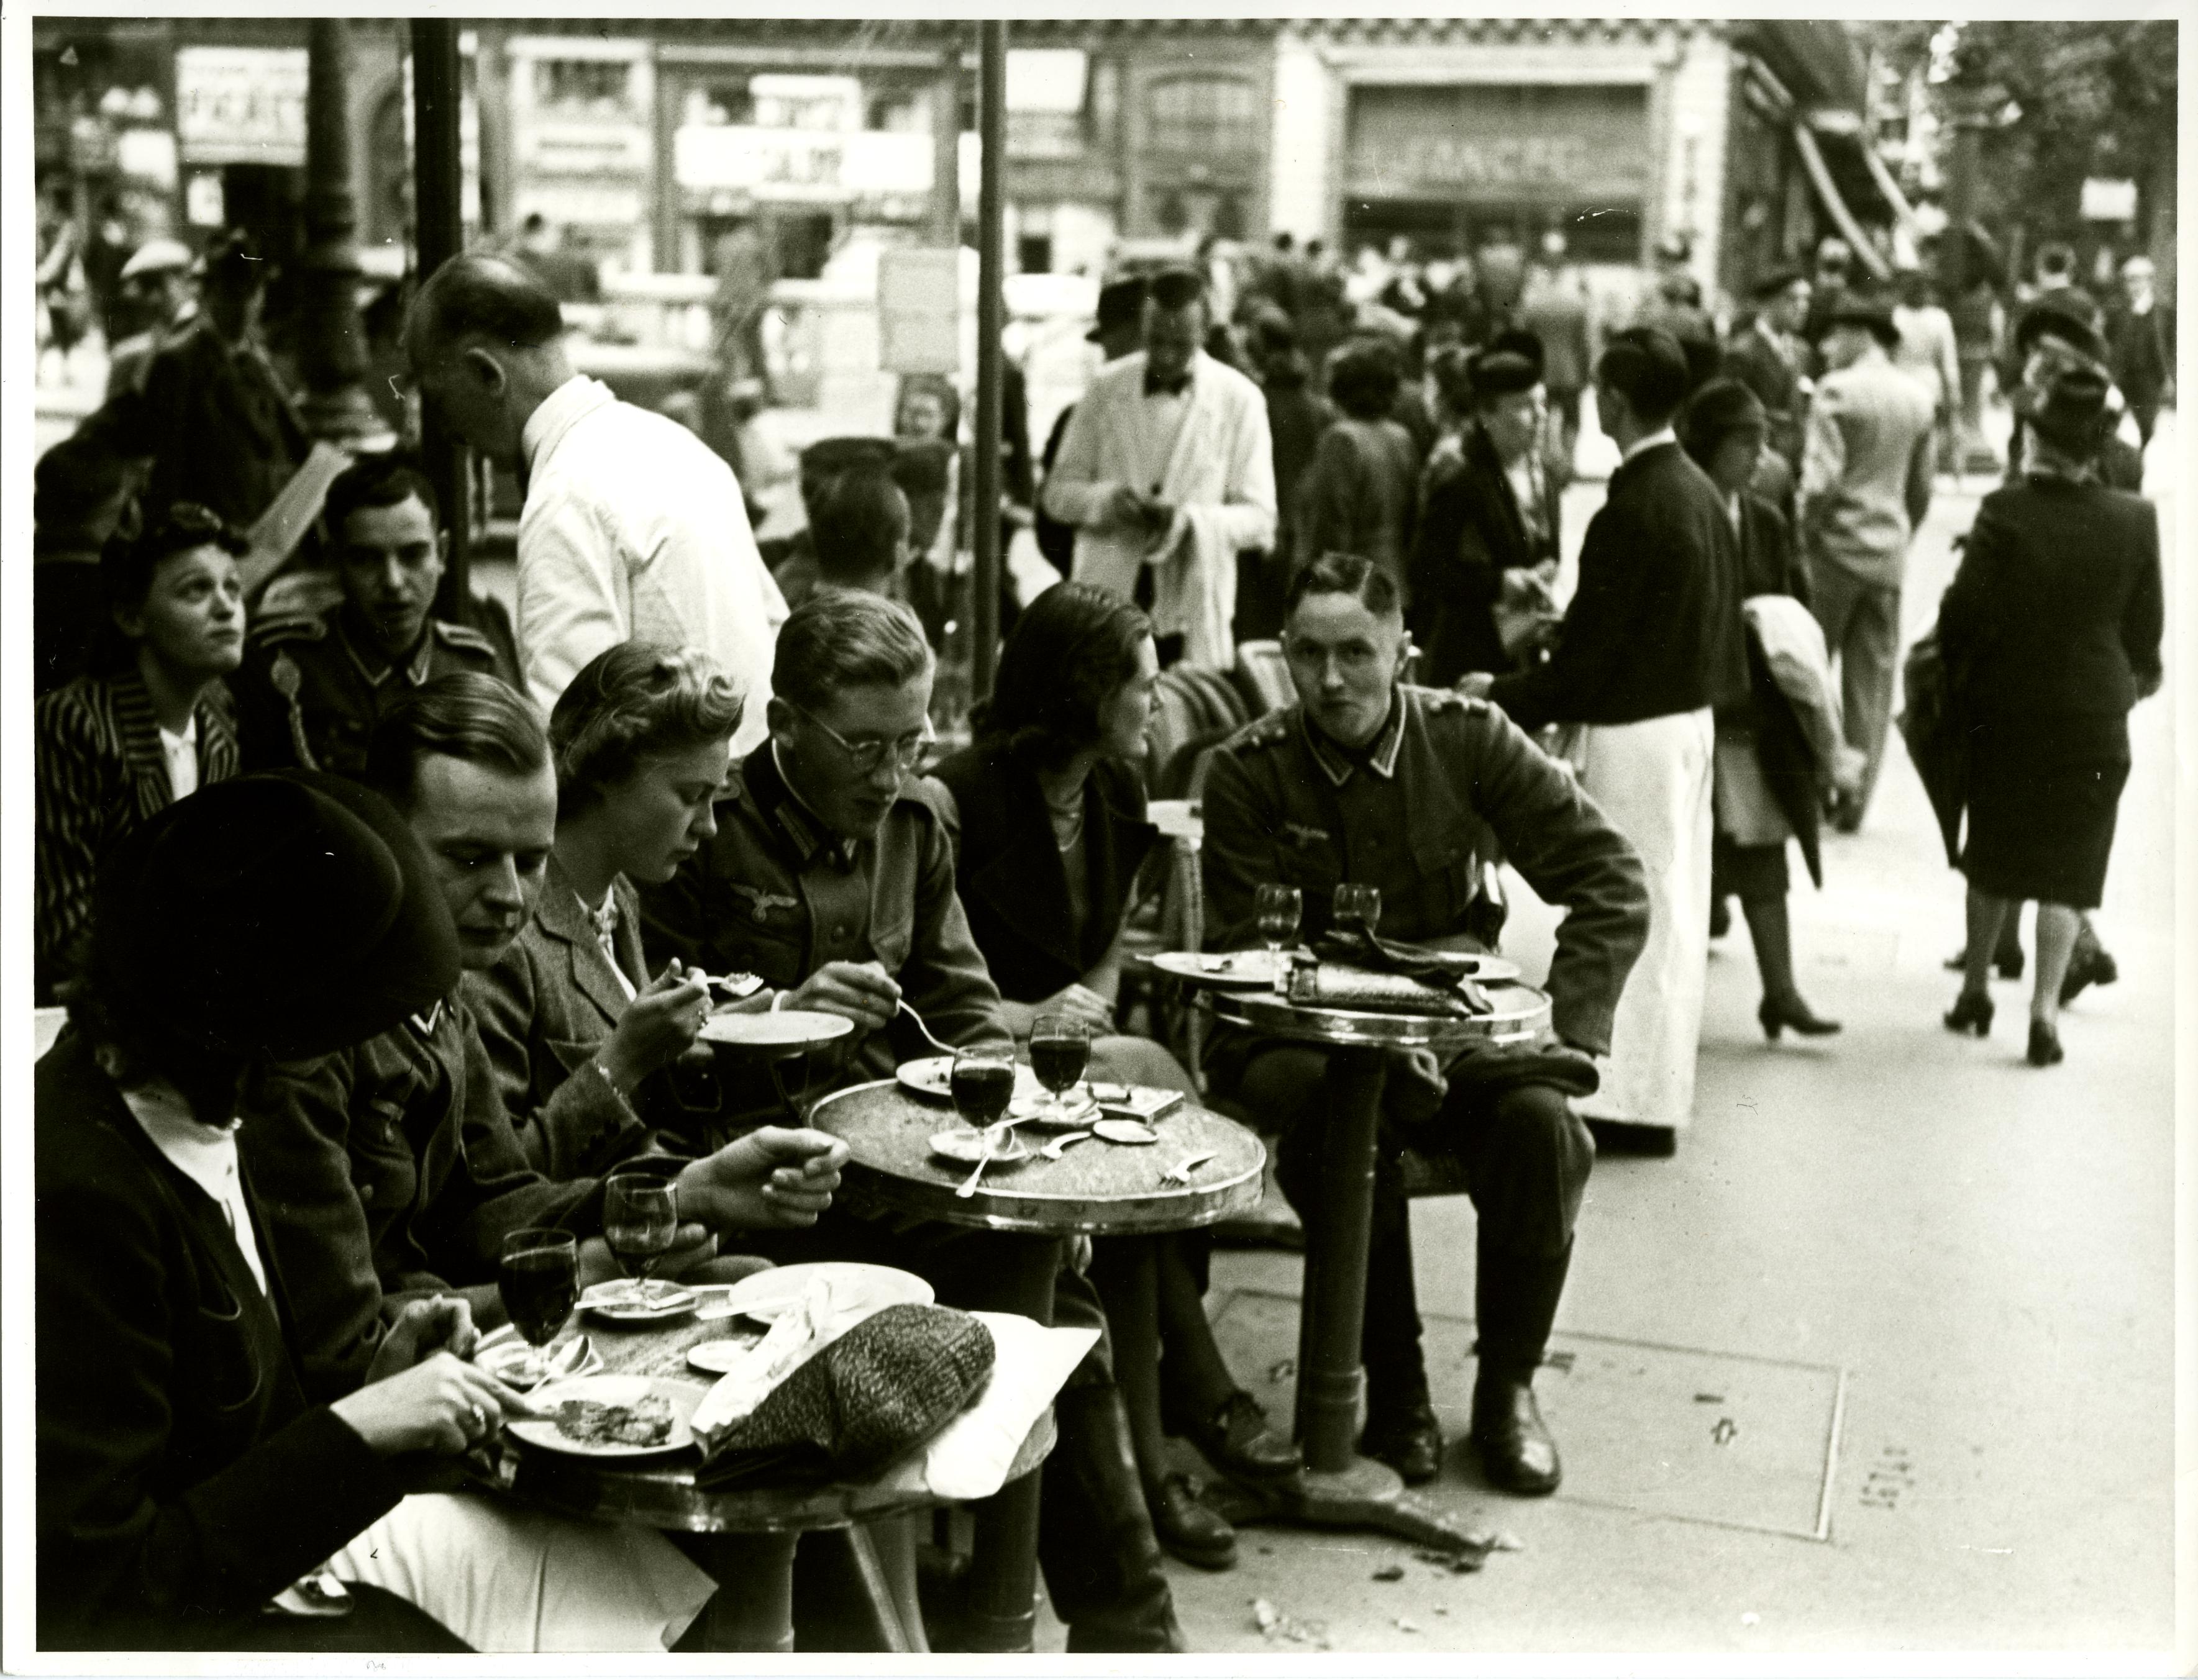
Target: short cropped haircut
(858, 526)
(1347, 574)
(377, 481)
(635, 701)
(1365, 377)
(1175, 288)
(465, 714)
(841, 639)
(1646, 366)
(1072, 650)
(475, 294)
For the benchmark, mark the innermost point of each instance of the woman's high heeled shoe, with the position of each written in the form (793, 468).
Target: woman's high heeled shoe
(2044, 1045)
(1972, 1013)
(1778, 1013)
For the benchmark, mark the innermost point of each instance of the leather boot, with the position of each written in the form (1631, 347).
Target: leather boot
(1516, 1301)
(1095, 1543)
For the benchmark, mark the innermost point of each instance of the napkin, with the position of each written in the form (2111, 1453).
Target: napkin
(970, 1458)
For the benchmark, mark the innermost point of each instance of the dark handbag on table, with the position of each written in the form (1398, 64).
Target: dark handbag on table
(879, 1392)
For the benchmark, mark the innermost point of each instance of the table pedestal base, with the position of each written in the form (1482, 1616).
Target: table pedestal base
(1365, 1495)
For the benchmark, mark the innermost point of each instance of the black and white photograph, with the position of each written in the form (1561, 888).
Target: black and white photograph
(1021, 841)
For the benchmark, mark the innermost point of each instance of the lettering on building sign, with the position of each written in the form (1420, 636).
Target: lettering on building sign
(1499, 161)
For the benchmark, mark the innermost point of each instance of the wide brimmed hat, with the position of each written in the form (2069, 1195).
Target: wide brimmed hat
(289, 915)
(1871, 314)
(1501, 373)
(2070, 413)
(157, 255)
(2062, 321)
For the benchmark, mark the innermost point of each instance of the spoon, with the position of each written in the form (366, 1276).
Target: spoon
(1055, 1150)
(906, 1010)
(994, 1135)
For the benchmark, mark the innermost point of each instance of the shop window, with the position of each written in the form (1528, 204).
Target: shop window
(718, 105)
(1034, 253)
(897, 110)
(592, 87)
(1203, 116)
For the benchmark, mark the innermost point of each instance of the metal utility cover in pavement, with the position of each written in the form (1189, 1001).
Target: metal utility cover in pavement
(1725, 1438)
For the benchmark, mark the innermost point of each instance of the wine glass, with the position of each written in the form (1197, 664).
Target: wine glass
(1359, 906)
(1279, 910)
(1060, 1049)
(641, 1223)
(982, 1084)
(538, 1276)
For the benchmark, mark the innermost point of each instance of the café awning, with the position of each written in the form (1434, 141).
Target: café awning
(1835, 205)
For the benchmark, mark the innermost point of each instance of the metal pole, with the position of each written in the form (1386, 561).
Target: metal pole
(331, 339)
(438, 209)
(993, 130)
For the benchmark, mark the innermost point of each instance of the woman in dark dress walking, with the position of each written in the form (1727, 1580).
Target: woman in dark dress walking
(2051, 631)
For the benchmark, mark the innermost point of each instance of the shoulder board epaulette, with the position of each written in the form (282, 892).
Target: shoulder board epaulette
(1435, 702)
(290, 627)
(1267, 730)
(463, 636)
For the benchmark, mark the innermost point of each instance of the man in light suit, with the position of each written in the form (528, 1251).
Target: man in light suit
(1167, 472)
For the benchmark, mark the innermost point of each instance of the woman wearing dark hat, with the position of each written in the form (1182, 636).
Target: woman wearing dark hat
(1768, 774)
(150, 724)
(1358, 496)
(183, 1480)
(2051, 631)
(1485, 550)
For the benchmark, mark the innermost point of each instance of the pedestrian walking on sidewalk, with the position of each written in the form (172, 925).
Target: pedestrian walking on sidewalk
(2051, 631)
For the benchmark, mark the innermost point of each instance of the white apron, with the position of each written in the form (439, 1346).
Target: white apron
(1653, 779)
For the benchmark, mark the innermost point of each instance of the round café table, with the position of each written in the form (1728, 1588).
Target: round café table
(1340, 1489)
(1094, 1189)
(744, 1538)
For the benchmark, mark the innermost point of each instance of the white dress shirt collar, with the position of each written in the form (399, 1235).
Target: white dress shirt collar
(205, 1155)
(181, 753)
(1656, 439)
(556, 414)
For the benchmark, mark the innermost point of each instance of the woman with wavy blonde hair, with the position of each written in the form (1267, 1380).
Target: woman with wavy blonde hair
(642, 739)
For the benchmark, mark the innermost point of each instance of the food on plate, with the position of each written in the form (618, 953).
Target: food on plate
(646, 1423)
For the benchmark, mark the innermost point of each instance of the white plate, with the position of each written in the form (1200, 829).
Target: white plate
(931, 1075)
(763, 1295)
(967, 1146)
(611, 1390)
(1126, 1131)
(717, 1357)
(615, 1303)
(770, 1031)
(1079, 1110)
(1224, 971)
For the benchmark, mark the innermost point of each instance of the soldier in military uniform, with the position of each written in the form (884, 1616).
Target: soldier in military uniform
(831, 874)
(313, 684)
(1412, 790)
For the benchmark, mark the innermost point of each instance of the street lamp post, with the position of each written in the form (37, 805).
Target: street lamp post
(438, 235)
(331, 338)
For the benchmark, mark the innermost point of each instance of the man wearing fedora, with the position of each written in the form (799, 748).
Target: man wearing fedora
(1866, 467)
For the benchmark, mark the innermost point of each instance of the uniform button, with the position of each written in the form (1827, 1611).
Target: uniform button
(365, 1193)
(841, 931)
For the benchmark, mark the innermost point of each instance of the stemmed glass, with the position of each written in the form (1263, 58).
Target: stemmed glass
(1060, 1050)
(1278, 909)
(1358, 905)
(982, 1084)
(538, 1276)
(641, 1223)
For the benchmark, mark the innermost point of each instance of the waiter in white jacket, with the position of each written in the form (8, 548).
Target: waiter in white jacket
(633, 527)
(1167, 474)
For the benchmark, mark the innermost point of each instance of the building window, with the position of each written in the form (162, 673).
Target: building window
(718, 105)
(1203, 116)
(592, 87)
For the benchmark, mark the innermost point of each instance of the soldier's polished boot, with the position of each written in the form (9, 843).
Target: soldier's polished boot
(1515, 1299)
(1102, 1564)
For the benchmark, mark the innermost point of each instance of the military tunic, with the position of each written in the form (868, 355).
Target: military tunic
(320, 684)
(1448, 784)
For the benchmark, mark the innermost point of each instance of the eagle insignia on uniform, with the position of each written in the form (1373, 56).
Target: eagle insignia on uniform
(762, 903)
(1301, 836)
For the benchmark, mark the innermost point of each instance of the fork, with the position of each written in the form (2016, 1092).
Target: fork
(1181, 1171)
(906, 1009)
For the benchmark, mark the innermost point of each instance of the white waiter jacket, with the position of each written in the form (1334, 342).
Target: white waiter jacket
(1220, 473)
(634, 529)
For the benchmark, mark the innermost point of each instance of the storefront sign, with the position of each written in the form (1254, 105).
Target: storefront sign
(583, 148)
(2109, 201)
(1498, 143)
(919, 310)
(819, 104)
(242, 105)
(800, 164)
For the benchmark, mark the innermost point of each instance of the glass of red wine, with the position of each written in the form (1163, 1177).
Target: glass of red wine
(1278, 909)
(641, 1223)
(1060, 1050)
(1358, 906)
(982, 1084)
(538, 1276)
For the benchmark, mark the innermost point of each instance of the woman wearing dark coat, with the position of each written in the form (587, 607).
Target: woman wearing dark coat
(1051, 833)
(1768, 781)
(1358, 495)
(1480, 542)
(183, 1480)
(642, 739)
(2050, 631)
